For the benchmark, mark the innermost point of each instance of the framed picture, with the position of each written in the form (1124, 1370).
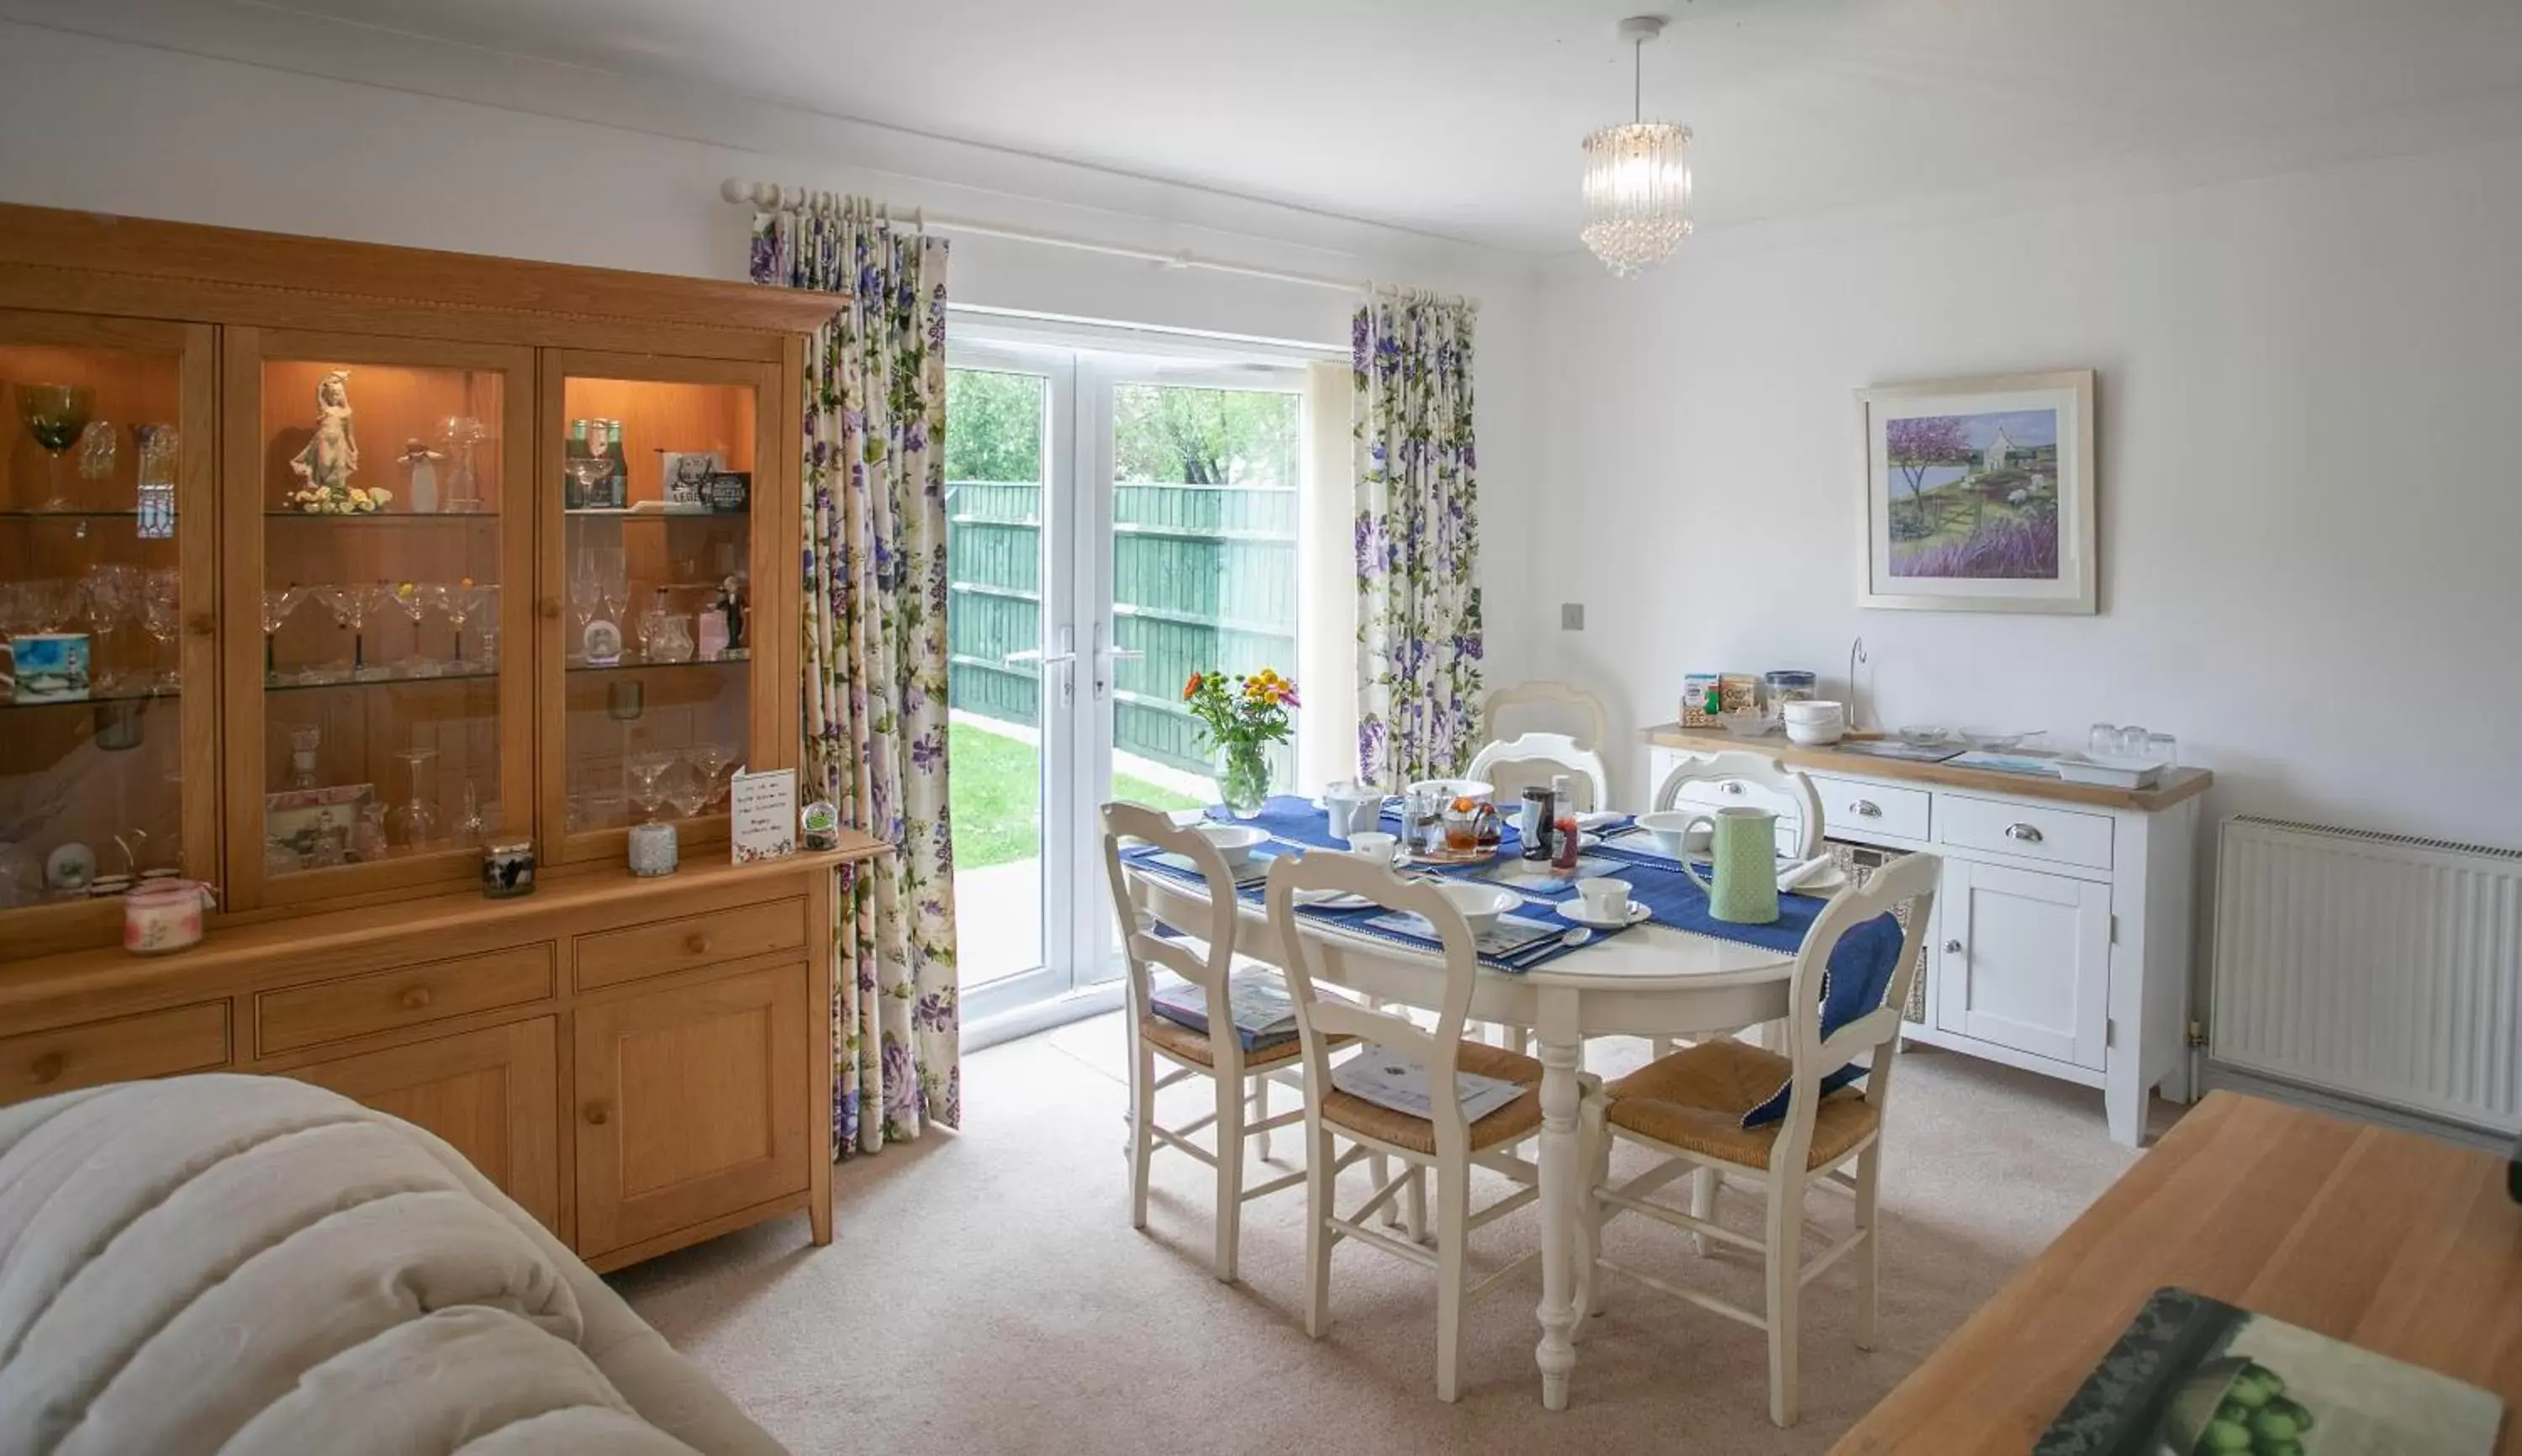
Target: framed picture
(1979, 495)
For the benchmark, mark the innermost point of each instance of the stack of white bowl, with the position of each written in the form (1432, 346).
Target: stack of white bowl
(1815, 722)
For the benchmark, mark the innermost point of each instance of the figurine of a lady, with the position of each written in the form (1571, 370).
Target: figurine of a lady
(330, 457)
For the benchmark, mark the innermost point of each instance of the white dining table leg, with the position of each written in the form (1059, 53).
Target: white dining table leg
(1562, 1173)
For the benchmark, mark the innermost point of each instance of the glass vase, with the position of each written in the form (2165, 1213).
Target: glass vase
(1243, 778)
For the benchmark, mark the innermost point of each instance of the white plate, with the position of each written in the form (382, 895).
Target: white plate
(1331, 900)
(1574, 909)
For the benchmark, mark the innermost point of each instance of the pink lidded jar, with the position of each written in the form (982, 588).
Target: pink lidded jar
(164, 914)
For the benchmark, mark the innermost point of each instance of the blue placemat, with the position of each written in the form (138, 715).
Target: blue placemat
(1676, 901)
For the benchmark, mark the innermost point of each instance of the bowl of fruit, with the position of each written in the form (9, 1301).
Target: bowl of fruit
(2235, 1407)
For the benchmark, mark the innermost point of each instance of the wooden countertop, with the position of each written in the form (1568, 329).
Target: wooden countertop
(2175, 787)
(2390, 1241)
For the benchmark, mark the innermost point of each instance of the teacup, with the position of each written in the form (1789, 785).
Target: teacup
(1606, 900)
(1375, 845)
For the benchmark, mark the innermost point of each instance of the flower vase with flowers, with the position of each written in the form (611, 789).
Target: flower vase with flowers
(1239, 723)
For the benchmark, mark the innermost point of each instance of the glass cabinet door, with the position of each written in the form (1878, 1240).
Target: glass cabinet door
(109, 677)
(379, 518)
(650, 575)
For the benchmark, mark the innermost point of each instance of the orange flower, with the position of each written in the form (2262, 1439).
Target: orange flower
(1190, 690)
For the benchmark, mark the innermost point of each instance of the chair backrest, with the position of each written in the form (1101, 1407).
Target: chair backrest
(1765, 781)
(1558, 704)
(1314, 965)
(1496, 762)
(1911, 878)
(1141, 947)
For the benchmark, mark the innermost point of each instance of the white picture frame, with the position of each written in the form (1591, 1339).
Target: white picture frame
(1980, 494)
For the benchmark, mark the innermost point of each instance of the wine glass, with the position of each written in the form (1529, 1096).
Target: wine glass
(161, 614)
(55, 416)
(412, 599)
(711, 757)
(277, 604)
(644, 770)
(349, 606)
(415, 823)
(460, 433)
(687, 788)
(114, 596)
(460, 603)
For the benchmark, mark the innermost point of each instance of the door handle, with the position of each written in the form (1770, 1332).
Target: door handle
(1063, 656)
(1107, 654)
(2025, 832)
(1953, 948)
(1866, 808)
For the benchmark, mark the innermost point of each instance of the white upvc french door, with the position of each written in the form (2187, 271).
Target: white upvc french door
(1033, 912)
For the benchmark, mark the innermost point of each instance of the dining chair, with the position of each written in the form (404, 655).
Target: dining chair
(1241, 1079)
(1581, 758)
(1724, 1109)
(1755, 778)
(1443, 1141)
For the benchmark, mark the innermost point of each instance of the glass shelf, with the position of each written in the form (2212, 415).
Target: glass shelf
(734, 660)
(383, 518)
(126, 695)
(386, 677)
(68, 515)
(599, 513)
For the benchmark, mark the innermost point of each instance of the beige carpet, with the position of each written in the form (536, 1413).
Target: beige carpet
(985, 1292)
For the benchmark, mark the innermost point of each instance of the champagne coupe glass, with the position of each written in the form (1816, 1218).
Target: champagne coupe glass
(55, 414)
(588, 471)
(415, 823)
(277, 604)
(161, 614)
(711, 760)
(412, 599)
(113, 595)
(460, 603)
(643, 769)
(350, 607)
(687, 788)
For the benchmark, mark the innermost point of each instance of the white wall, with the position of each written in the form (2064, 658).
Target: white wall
(2309, 509)
(622, 177)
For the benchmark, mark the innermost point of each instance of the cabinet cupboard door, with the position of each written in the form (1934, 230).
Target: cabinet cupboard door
(495, 1095)
(693, 1101)
(2025, 961)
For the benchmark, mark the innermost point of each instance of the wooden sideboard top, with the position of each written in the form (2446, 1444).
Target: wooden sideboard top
(2178, 786)
(105, 969)
(2394, 1241)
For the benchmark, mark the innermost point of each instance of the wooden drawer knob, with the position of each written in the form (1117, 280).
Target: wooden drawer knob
(47, 1070)
(416, 999)
(596, 1113)
(696, 943)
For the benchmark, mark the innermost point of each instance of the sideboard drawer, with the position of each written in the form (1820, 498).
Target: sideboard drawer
(2034, 831)
(154, 1044)
(1874, 808)
(405, 995)
(661, 947)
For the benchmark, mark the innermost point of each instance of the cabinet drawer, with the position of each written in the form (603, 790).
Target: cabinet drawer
(156, 1043)
(664, 946)
(2034, 831)
(1873, 808)
(406, 996)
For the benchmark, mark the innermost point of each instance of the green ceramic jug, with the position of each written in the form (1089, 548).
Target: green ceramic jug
(1743, 854)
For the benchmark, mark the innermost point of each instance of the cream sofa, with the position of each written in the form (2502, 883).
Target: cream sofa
(250, 1265)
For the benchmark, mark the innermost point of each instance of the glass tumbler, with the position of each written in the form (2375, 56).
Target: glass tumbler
(2162, 748)
(2104, 739)
(2132, 742)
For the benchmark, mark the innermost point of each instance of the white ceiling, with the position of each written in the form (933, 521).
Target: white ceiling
(1460, 118)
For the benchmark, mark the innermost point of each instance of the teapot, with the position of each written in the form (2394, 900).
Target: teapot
(1743, 858)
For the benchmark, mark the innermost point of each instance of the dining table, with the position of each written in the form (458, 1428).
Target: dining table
(1650, 980)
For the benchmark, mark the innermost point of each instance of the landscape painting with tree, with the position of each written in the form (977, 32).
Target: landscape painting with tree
(1980, 494)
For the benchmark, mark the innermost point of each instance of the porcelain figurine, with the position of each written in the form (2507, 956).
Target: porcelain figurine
(420, 468)
(332, 456)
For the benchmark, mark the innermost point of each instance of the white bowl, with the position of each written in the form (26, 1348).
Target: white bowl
(1235, 842)
(1480, 904)
(1811, 710)
(1450, 790)
(1815, 734)
(1666, 827)
(1744, 723)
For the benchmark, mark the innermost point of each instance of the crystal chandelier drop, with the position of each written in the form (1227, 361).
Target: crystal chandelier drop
(1637, 176)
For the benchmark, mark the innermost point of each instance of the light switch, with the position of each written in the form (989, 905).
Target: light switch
(1572, 615)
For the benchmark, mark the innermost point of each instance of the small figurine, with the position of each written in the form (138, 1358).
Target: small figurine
(732, 606)
(332, 456)
(420, 466)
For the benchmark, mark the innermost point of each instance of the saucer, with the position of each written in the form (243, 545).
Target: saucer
(1574, 909)
(1823, 884)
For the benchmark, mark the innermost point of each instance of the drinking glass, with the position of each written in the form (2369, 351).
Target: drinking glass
(55, 414)
(305, 741)
(161, 614)
(2131, 742)
(2164, 749)
(459, 604)
(644, 770)
(415, 823)
(114, 596)
(711, 760)
(277, 604)
(2103, 740)
(460, 434)
(687, 789)
(350, 606)
(412, 599)
(471, 828)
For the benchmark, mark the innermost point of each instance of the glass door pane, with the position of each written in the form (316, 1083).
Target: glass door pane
(655, 585)
(997, 456)
(385, 559)
(107, 630)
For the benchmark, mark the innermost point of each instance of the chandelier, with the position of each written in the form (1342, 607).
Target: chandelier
(1637, 176)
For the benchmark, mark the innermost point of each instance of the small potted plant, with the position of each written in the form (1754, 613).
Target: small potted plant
(1239, 723)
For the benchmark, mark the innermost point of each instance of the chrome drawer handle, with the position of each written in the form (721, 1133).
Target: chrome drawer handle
(2024, 832)
(1866, 808)
(1953, 948)
(1733, 788)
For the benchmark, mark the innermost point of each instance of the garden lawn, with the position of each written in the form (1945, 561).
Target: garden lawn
(994, 790)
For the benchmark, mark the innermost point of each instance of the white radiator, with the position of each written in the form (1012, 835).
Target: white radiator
(2377, 966)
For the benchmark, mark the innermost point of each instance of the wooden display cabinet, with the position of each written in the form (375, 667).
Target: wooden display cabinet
(327, 713)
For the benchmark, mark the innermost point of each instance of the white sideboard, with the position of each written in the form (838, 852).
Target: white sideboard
(2062, 935)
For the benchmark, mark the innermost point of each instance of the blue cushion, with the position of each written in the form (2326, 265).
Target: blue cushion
(1853, 985)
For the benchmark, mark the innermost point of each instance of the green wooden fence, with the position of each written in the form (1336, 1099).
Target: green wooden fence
(1203, 576)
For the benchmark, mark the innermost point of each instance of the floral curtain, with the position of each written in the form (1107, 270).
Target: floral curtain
(875, 653)
(1417, 538)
